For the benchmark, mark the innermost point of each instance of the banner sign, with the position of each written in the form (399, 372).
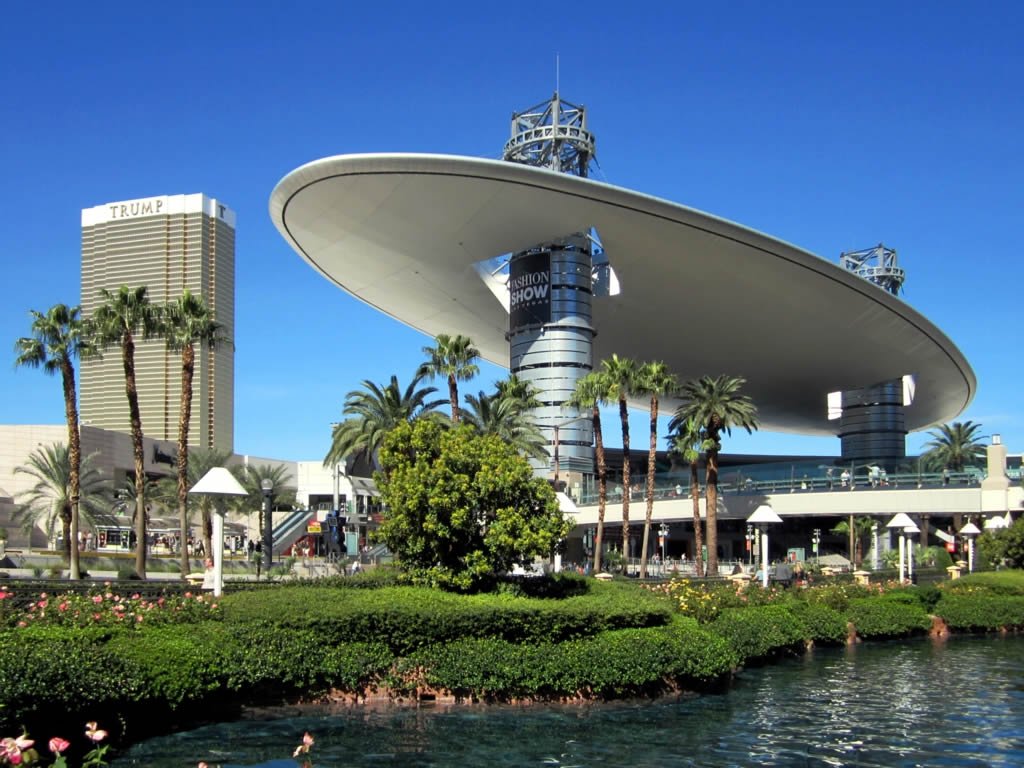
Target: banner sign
(529, 284)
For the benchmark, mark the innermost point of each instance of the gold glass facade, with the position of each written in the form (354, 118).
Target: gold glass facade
(166, 244)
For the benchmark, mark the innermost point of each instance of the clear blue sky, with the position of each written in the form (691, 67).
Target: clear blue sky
(833, 126)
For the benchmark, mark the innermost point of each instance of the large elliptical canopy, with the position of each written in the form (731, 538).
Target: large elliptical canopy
(403, 231)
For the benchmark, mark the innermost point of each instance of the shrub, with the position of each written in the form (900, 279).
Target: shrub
(838, 595)
(705, 601)
(887, 618)
(756, 633)
(978, 612)
(821, 624)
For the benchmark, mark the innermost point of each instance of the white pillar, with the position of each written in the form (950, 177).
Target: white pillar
(764, 558)
(903, 548)
(218, 552)
(970, 555)
(910, 559)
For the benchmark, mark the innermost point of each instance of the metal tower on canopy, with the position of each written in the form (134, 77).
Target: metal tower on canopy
(551, 287)
(877, 265)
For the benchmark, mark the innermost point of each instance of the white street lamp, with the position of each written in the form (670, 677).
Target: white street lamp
(218, 483)
(910, 530)
(901, 522)
(970, 532)
(763, 517)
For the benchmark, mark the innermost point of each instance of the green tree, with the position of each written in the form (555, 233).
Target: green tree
(505, 418)
(590, 394)
(124, 314)
(523, 393)
(57, 339)
(717, 406)
(954, 446)
(187, 321)
(856, 529)
(620, 374)
(460, 508)
(655, 380)
(689, 442)
(453, 357)
(374, 411)
(48, 503)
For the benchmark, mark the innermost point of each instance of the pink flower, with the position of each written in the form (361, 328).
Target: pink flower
(62, 607)
(95, 734)
(11, 748)
(97, 599)
(58, 745)
(138, 619)
(22, 624)
(202, 765)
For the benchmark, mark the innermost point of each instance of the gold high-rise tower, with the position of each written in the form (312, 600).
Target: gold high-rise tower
(167, 244)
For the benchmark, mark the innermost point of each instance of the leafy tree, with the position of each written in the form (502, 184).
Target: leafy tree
(954, 446)
(49, 501)
(620, 375)
(505, 418)
(116, 322)
(717, 406)
(375, 411)
(591, 393)
(689, 442)
(187, 321)
(453, 357)
(57, 339)
(461, 508)
(653, 379)
(1003, 547)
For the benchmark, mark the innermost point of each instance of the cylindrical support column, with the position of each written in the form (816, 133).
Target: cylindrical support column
(872, 427)
(551, 339)
(903, 550)
(218, 550)
(764, 558)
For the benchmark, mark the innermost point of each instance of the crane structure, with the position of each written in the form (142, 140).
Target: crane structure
(877, 265)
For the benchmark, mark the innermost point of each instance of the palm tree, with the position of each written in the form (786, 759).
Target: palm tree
(282, 494)
(620, 376)
(374, 411)
(57, 339)
(121, 316)
(505, 418)
(855, 529)
(50, 500)
(954, 446)
(592, 392)
(187, 321)
(656, 380)
(455, 358)
(716, 405)
(689, 442)
(522, 392)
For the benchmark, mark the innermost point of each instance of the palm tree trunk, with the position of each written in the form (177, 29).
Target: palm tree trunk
(853, 539)
(626, 488)
(65, 529)
(453, 397)
(698, 535)
(74, 460)
(711, 497)
(188, 359)
(602, 488)
(651, 456)
(128, 359)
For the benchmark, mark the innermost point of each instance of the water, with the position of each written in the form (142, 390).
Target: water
(958, 703)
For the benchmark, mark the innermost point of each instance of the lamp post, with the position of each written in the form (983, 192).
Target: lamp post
(970, 532)
(268, 528)
(815, 541)
(909, 531)
(556, 428)
(763, 517)
(901, 522)
(750, 543)
(663, 540)
(218, 483)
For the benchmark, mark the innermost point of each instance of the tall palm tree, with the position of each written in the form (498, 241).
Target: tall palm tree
(621, 377)
(57, 339)
(49, 501)
(689, 442)
(954, 446)
(522, 392)
(187, 321)
(453, 357)
(116, 322)
(591, 393)
(374, 411)
(653, 379)
(505, 418)
(716, 405)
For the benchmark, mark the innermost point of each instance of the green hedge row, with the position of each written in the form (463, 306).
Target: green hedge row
(883, 617)
(408, 618)
(981, 613)
(759, 632)
(616, 663)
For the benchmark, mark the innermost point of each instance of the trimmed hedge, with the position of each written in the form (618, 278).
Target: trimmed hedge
(625, 662)
(981, 613)
(875, 618)
(759, 632)
(408, 618)
(822, 625)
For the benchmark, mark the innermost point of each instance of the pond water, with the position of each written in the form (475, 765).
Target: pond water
(918, 703)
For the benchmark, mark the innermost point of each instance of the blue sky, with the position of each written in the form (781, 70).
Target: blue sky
(829, 125)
